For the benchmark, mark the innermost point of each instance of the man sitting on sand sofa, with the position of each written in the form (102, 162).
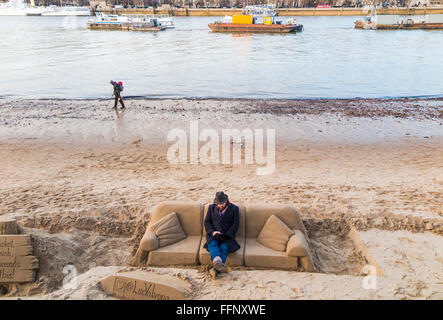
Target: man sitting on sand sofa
(221, 224)
(266, 236)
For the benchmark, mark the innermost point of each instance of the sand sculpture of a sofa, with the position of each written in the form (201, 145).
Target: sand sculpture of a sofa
(270, 236)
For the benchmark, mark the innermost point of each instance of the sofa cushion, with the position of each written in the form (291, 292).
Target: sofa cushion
(257, 215)
(275, 234)
(189, 212)
(183, 252)
(149, 241)
(257, 255)
(168, 230)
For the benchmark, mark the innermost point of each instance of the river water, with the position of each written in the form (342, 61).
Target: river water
(58, 57)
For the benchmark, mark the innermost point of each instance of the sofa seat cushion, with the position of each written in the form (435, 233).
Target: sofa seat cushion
(183, 252)
(235, 259)
(257, 255)
(168, 230)
(275, 234)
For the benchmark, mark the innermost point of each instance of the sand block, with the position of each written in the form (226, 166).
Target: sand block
(15, 245)
(8, 226)
(19, 262)
(11, 275)
(13, 241)
(16, 262)
(142, 285)
(15, 252)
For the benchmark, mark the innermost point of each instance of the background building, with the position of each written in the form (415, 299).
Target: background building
(237, 3)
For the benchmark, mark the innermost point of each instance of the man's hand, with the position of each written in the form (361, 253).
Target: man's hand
(215, 232)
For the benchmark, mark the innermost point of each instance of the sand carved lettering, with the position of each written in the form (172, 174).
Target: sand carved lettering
(5, 252)
(144, 289)
(5, 274)
(12, 264)
(5, 243)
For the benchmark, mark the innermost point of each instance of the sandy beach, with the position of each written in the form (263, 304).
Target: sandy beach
(83, 184)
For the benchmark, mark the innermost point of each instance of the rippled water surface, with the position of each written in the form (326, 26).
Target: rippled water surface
(56, 57)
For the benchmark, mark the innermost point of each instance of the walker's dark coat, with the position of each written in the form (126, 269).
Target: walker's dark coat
(226, 224)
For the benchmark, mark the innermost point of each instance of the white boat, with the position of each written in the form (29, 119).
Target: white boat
(265, 10)
(103, 21)
(13, 8)
(165, 21)
(20, 8)
(101, 18)
(67, 11)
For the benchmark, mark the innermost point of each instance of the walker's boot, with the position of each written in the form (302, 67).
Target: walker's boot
(220, 267)
(214, 273)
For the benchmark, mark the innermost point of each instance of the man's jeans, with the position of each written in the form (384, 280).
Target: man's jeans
(217, 248)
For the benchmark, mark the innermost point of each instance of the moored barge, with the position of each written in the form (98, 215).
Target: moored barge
(256, 19)
(254, 28)
(124, 23)
(395, 22)
(251, 24)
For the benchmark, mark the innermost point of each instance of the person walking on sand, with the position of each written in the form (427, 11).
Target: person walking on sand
(118, 88)
(221, 224)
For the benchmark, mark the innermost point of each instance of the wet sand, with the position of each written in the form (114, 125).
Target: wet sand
(83, 183)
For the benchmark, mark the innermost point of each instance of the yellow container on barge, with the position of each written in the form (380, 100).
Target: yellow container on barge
(242, 19)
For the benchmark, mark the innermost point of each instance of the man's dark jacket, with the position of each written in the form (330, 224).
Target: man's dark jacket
(227, 224)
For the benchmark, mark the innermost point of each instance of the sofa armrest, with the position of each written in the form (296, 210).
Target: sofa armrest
(297, 245)
(148, 243)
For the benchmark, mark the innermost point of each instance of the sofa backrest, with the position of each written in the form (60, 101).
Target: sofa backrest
(241, 227)
(257, 215)
(189, 212)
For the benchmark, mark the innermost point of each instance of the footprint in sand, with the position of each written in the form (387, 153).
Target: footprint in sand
(404, 266)
(407, 239)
